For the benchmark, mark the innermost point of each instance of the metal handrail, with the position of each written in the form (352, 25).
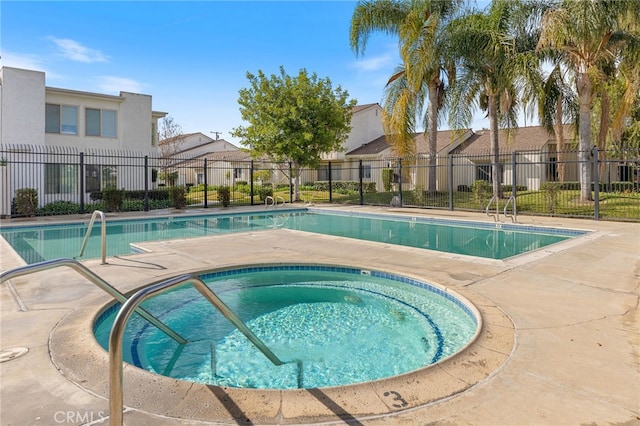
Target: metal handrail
(104, 235)
(497, 214)
(512, 216)
(91, 276)
(116, 403)
(274, 201)
(267, 199)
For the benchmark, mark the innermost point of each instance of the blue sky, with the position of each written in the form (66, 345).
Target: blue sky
(191, 57)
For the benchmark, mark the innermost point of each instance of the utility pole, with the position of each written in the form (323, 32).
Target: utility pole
(217, 134)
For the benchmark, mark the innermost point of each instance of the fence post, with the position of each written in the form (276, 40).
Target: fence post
(251, 180)
(206, 186)
(451, 182)
(330, 184)
(596, 184)
(81, 172)
(290, 183)
(360, 180)
(514, 186)
(400, 179)
(146, 183)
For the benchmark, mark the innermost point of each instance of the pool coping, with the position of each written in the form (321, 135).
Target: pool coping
(75, 352)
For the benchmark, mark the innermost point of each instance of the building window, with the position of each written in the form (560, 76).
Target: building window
(99, 177)
(61, 119)
(101, 122)
(60, 178)
(366, 171)
(483, 172)
(237, 173)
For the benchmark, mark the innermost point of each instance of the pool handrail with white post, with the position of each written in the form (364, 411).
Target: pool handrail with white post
(496, 216)
(513, 215)
(116, 371)
(103, 235)
(274, 201)
(95, 279)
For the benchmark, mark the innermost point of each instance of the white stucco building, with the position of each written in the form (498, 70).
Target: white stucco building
(56, 122)
(32, 113)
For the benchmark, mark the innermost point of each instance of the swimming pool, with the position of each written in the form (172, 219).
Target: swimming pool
(332, 326)
(488, 240)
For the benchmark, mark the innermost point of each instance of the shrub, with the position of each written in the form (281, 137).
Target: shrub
(26, 201)
(154, 194)
(59, 207)
(112, 198)
(243, 187)
(482, 191)
(345, 186)
(387, 179)
(551, 189)
(265, 191)
(178, 197)
(224, 196)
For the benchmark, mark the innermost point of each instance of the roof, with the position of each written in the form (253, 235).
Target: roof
(238, 155)
(356, 109)
(531, 138)
(446, 141)
(374, 147)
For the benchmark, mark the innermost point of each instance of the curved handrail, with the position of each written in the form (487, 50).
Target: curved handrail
(266, 201)
(514, 214)
(91, 276)
(496, 216)
(116, 403)
(103, 234)
(274, 201)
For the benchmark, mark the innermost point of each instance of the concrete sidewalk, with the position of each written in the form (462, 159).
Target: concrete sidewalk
(561, 344)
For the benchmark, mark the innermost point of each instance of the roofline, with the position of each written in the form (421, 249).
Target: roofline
(83, 94)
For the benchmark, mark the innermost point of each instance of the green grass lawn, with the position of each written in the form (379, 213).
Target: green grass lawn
(613, 205)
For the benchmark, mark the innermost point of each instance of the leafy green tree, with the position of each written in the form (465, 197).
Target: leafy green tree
(294, 119)
(420, 80)
(592, 36)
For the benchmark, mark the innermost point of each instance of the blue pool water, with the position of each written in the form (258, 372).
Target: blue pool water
(335, 325)
(45, 242)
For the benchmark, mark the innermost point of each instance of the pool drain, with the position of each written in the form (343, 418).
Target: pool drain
(11, 354)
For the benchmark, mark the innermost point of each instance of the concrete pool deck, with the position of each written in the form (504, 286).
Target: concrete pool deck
(560, 342)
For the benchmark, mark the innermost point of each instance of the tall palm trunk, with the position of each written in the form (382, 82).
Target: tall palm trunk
(584, 131)
(496, 169)
(559, 132)
(433, 133)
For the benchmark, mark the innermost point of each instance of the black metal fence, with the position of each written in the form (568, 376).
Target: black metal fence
(40, 180)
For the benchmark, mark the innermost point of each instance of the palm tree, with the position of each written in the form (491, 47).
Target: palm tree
(419, 26)
(557, 105)
(591, 35)
(494, 56)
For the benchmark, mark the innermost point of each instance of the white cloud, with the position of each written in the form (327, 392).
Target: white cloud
(375, 63)
(24, 61)
(113, 84)
(75, 51)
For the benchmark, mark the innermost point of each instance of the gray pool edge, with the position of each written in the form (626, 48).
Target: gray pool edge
(77, 355)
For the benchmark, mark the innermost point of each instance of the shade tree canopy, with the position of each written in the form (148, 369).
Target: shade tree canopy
(293, 119)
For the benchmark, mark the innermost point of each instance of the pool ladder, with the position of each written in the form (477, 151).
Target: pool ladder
(103, 235)
(270, 201)
(496, 215)
(487, 210)
(131, 305)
